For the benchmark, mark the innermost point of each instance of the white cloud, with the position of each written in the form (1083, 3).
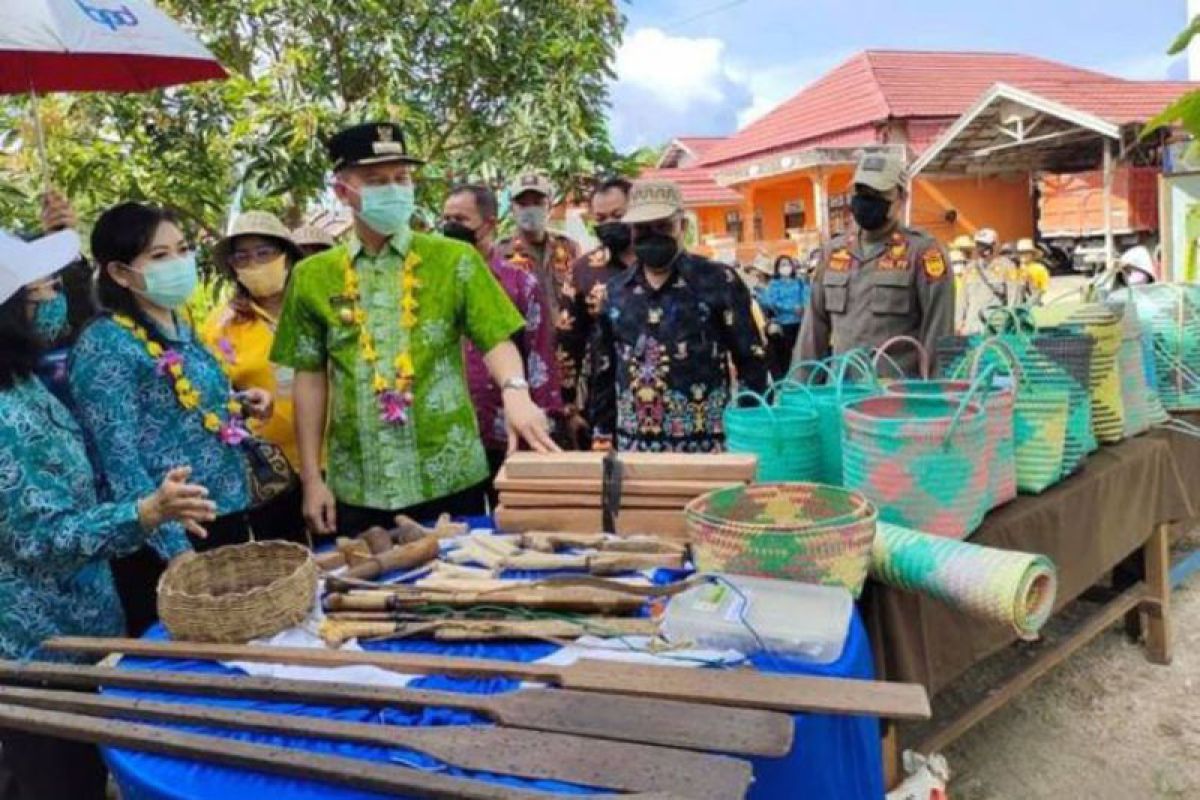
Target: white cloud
(677, 70)
(671, 85)
(770, 86)
(1147, 67)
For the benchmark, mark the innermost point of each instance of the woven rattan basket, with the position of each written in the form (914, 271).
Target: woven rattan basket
(805, 532)
(237, 593)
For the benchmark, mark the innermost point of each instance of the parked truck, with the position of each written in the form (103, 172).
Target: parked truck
(1071, 213)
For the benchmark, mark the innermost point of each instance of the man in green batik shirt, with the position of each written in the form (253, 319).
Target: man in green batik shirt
(374, 330)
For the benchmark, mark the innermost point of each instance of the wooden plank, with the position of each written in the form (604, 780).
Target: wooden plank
(1096, 624)
(535, 500)
(336, 631)
(743, 688)
(1158, 596)
(659, 722)
(483, 748)
(662, 488)
(668, 524)
(307, 765)
(710, 467)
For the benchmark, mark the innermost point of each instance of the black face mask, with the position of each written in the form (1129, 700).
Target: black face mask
(616, 236)
(456, 230)
(870, 212)
(656, 250)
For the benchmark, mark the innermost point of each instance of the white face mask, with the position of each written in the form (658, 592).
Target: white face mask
(785, 272)
(531, 219)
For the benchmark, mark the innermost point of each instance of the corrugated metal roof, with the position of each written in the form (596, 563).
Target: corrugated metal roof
(697, 186)
(874, 86)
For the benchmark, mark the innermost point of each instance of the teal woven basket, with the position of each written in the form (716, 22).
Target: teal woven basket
(827, 400)
(786, 440)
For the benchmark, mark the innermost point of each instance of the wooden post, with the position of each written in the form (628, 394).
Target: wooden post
(1109, 167)
(1158, 596)
(891, 755)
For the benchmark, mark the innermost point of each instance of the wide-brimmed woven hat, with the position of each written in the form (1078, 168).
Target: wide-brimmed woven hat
(256, 223)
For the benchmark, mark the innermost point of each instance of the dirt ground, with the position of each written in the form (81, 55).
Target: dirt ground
(1105, 725)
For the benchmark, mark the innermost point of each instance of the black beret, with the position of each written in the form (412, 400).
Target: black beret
(369, 143)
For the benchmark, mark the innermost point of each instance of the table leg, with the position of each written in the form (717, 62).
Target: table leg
(1157, 607)
(891, 755)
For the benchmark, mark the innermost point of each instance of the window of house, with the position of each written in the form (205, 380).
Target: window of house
(793, 215)
(733, 225)
(758, 225)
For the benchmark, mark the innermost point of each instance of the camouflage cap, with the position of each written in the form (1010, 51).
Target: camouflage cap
(650, 201)
(531, 182)
(882, 171)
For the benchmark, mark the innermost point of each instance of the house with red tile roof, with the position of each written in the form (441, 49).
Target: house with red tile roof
(782, 183)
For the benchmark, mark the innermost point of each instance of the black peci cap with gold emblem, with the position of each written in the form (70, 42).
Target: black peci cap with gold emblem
(369, 143)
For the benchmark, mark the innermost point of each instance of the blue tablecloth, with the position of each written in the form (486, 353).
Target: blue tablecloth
(833, 756)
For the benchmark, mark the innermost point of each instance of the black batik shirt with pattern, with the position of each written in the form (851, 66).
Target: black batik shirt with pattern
(662, 357)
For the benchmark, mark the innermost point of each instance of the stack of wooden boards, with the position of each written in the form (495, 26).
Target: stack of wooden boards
(565, 491)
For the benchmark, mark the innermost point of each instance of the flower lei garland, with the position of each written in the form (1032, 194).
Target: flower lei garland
(169, 364)
(395, 397)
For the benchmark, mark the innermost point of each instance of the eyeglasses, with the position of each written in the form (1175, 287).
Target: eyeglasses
(259, 255)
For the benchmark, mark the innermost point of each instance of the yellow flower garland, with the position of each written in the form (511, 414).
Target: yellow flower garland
(170, 363)
(367, 350)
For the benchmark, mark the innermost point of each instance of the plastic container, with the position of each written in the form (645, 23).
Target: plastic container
(794, 621)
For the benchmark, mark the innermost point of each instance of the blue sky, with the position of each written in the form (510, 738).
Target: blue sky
(706, 67)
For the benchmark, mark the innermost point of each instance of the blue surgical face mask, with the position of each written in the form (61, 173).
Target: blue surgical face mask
(387, 209)
(50, 320)
(171, 282)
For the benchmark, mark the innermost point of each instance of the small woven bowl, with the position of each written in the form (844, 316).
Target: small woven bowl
(237, 593)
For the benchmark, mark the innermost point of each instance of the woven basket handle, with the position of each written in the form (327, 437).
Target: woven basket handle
(1005, 319)
(785, 385)
(758, 398)
(922, 355)
(996, 344)
(965, 403)
(855, 358)
(816, 367)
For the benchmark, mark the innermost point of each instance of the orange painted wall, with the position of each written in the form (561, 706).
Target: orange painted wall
(1002, 203)
(771, 200)
(711, 220)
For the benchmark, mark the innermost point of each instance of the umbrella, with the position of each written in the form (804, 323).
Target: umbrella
(95, 46)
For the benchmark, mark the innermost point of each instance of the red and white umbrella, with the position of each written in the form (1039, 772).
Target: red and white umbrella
(95, 46)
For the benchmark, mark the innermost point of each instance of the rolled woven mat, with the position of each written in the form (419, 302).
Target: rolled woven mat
(1004, 586)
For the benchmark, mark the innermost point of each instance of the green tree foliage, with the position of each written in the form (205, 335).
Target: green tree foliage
(483, 88)
(1185, 111)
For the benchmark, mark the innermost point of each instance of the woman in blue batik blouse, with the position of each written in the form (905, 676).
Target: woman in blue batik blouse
(783, 300)
(55, 539)
(150, 396)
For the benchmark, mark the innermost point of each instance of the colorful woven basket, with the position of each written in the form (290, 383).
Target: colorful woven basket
(1143, 408)
(919, 460)
(1050, 359)
(1103, 324)
(828, 399)
(806, 532)
(1040, 419)
(787, 440)
(1002, 586)
(1170, 317)
(997, 402)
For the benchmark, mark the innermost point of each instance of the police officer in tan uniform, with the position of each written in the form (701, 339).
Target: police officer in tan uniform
(535, 249)
(880, 281)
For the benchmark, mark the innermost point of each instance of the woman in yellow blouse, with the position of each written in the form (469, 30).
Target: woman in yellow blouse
(258, 255)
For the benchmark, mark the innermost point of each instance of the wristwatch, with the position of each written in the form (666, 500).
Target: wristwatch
(520, 384)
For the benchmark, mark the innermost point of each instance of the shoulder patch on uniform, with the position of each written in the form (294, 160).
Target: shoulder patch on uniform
(935, 263)
(840, 260)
